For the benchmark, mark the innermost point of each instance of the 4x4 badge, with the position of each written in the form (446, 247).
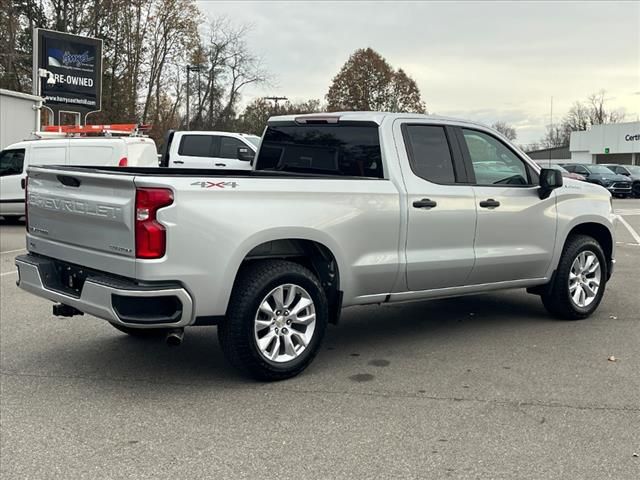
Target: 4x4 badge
(207, 184)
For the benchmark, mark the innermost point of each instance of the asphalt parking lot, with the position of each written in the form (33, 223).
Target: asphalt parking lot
(477, 387)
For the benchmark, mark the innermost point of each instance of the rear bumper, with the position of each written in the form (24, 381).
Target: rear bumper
(117, 300)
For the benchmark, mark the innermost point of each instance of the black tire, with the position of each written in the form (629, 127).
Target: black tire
(141, 332)
(236, 332)
(556, 297)
(12, 219)
(636, 190)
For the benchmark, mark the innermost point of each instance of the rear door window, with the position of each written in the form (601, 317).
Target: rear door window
(11, 162)
(199, 145)
(429, 153)
(342, 149)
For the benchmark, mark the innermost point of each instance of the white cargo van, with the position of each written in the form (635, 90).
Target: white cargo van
(101, 151)
(199, 149)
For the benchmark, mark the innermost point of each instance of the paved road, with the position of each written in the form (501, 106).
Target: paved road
(478, 387)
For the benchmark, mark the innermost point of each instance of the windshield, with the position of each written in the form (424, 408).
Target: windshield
(11, 162)
(599, 169)
(253, 139)
(634, 169)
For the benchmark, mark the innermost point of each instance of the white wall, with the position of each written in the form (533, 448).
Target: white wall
(617, 137)
(17, 116)
(581, 157)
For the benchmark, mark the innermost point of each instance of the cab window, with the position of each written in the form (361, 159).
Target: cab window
(493, 162)
(11, 162)
(229, 147)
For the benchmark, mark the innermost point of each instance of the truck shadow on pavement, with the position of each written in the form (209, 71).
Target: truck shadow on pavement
(96, 350)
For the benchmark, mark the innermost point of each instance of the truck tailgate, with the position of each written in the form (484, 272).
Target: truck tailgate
(83, 217)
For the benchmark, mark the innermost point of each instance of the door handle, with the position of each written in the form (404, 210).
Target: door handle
(426, 203)
(221, 164)
(490, 203)
(180, 162)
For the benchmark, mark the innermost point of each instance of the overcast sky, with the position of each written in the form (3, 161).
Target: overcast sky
(484, 61)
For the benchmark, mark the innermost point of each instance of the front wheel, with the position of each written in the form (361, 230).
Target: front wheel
(277, 318)
(580, 280)
(636, 190)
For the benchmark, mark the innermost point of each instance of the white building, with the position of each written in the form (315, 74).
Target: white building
(18, 116)
(609, 143)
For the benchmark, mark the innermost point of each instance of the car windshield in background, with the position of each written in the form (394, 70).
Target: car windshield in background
(599, 169)
(11, 162)
(347, 150)
(633, 169)
(253, 139)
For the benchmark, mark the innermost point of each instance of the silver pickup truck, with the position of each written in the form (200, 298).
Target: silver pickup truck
(340, 209)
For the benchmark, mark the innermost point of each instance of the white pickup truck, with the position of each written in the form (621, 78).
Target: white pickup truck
(204, 149)
(341, 209)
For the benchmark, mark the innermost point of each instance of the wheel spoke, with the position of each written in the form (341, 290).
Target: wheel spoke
(278, 296)
(576, 295)
(588, 291)
(289, 349)
(303, 303)
(589, 262)
(306, 320)
(276, 349)
(291, 296)
(267, 310)
(300, 337)
(264, 342)
(262, 324)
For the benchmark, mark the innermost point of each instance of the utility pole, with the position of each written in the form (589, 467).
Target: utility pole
(187, 125)
(276, 100)
(193, 68)
(551, 128)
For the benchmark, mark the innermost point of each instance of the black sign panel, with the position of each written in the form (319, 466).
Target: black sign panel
(74, 83)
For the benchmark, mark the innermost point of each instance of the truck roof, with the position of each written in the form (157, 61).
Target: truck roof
(376, 117)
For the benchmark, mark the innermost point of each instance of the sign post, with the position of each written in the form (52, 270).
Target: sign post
(67, 72)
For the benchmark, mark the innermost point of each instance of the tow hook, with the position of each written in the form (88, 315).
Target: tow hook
(174, 337)
(62, 310)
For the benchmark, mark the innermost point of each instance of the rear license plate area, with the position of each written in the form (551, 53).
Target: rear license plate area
(65, 278)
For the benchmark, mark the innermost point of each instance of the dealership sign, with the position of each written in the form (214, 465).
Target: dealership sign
(68, 69)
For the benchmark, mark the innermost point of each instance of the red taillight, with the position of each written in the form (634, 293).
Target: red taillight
(123, 162)
(151, 236)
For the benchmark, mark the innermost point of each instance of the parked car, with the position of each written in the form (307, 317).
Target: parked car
(565, 173)
(632, 172)
(618, 185)
(340, 209)
(220, 150)
(94, 151)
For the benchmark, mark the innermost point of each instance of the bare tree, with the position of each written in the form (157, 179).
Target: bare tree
(505, 129)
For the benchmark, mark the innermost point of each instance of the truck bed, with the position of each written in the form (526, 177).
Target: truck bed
(198, 172)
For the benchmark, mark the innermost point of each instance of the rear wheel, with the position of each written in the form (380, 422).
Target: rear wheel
(277, 318)
(141, 332)
(580, 280)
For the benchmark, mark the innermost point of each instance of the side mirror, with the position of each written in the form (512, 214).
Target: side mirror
(245, 154)
(550, 179)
